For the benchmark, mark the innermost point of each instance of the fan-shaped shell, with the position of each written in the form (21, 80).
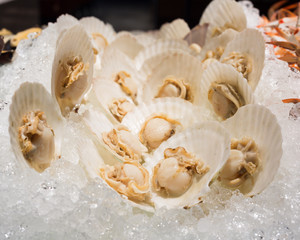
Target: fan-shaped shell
(72, 68)
(250, 44)
(118, 67)
(224, 73)
(108, 94)
(31, 98)
(177, 29)
(223, 14)
(161, 119)
(127, 43)
(219, 42)
(160, 46)
(182, 69)
(208, 142)
(94, 25)
(259, 124)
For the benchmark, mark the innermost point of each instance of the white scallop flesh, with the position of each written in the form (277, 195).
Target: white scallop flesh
(36, 140)
(242, 165)
(120, 107)
(129, 179)
(156, 130)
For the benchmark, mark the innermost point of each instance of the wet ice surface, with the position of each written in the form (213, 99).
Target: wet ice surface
(62, 203)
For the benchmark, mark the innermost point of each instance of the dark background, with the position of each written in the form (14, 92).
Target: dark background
(123, 15)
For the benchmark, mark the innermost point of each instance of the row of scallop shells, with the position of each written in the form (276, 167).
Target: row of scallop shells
(130, 86)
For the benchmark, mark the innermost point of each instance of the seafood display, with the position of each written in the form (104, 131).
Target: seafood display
(167, 118)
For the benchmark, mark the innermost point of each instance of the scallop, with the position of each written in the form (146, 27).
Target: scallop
(72, 68)
(222, 15)
(214, 49)
(130, 179)
(115, 102)
(246, 53)
(160, 46)
(256, 150)
(127, 43)
(177, 29)
(160, 119)
(102, 34)
(35, 127)
(178, 75)
(119, 68)
(124, 143)
(118, 141)
(224, 90)
(184, 165)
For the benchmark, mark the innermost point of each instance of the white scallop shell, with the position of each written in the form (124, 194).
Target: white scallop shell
(32, 97)
(220, 13)
(220, 41)
(127, 43)
(104, 92)
(174, 108)
(179, 66)
(177, 29)
(220, 72)
(65, 22)
(153, 62)
(160, 46)
(258, 123)
(95, 25)
(251, 43)
(66, 48)
(208, 141)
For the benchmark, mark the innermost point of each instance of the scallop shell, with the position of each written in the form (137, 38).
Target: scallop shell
(65, 22)
(174, 108)
(223, 14)
(223, 73)
(70, 93)
(179, 67)
(95, 25)
(210, 143)
(177, 29)
(160, 46)
(115, 62)
(32, 97)
(154, 62)
(127, 43)
(220, 41)
(100, 126)
(105, 93)
(258, 123)
(251, 44)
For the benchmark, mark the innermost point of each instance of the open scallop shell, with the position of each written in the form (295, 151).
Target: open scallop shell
(258, 123)
(117, 140)
(182, 69)
(177, 29)
(210, 143)
(95, 26)
(223, 14)
(65, 22)
(108, 94)
(172, 114)
(224, 73)
(116, 66)
(127, 43)
(250, 44)
(219, 42)
(32, 97)
(160, 46)
(72, 68)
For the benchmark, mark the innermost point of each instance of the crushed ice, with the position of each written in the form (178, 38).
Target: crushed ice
(62, 203)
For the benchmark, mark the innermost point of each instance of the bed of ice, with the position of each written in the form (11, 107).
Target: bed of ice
(62, 203)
